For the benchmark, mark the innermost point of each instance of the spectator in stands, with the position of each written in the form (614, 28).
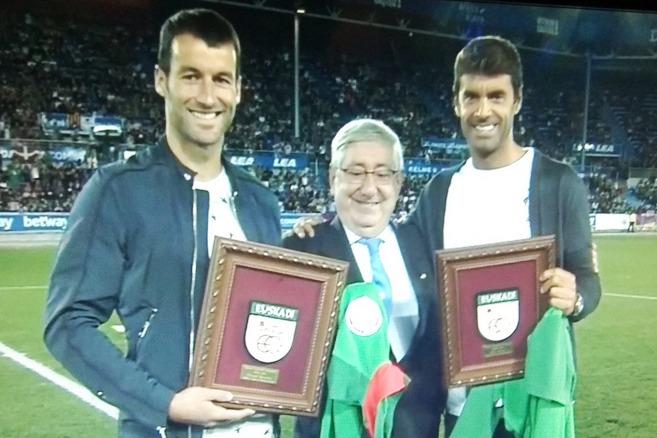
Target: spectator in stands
(646, 191)
(138, 242)
(606, 195)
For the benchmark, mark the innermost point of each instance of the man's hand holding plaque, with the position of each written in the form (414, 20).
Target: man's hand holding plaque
(267, 328)
(492, 297)
(199, 406)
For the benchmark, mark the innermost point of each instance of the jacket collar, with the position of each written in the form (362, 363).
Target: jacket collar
(165, 155)
(162, 153)
(343, 251)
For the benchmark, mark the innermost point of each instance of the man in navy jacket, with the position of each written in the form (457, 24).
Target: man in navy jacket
(139, 239)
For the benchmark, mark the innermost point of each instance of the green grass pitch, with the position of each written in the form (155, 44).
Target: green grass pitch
(616, 346)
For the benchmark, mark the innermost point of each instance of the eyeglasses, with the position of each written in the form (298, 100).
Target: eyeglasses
(357, 175)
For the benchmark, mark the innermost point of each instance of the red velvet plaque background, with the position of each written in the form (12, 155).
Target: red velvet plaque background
(471, 282)
(251, 284)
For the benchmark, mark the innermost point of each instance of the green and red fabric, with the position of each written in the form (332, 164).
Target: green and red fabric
(538, 405)
(361, 347)
(383, 394)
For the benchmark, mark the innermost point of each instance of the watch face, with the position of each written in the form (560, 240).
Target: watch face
(579, 305)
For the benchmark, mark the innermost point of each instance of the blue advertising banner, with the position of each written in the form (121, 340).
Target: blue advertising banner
(421, 167)
(269, 160)
(598, 149)
(6, 154)
(67, 154)
(54, 121)
(56, 222)
(58, 153)
(33, 222)
(84, 124)
(448, 145)
(109, 126)
(289, 219)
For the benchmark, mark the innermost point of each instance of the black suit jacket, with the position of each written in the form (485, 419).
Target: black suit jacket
(418, 412)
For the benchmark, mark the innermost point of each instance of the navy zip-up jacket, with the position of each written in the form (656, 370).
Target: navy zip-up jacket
(136, 243)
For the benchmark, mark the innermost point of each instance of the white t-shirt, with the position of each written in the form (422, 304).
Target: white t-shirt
(486, 206)
(222, 221)
(222, 216)
(404, 320)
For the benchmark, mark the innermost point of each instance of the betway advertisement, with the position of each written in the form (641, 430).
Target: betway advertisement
(33, 222)
(56, 222)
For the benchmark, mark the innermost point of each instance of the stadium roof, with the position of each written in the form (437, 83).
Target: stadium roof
(569, 28)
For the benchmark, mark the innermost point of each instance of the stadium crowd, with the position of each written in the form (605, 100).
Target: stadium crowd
(607, 195)
(36, 184)
(85, 67)
(646, 191)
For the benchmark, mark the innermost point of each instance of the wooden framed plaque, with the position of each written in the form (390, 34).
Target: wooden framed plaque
(267, 326)
(490, 303)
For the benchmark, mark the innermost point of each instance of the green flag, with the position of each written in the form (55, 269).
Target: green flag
(361, 346)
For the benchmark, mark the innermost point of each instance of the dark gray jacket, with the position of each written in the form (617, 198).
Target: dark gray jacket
(558, 204)
(136, 243)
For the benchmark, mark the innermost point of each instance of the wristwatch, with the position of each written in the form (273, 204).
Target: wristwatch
(579, 306)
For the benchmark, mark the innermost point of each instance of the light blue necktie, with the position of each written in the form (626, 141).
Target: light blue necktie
(379, 276)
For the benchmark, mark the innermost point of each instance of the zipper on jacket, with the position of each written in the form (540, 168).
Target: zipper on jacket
(191, 293)
(146, 326)
(233, 205)
(193, 284)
